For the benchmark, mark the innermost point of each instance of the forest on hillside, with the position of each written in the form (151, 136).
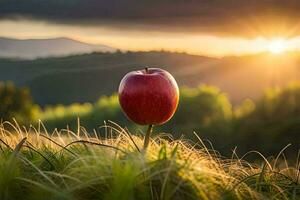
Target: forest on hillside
(83, 78)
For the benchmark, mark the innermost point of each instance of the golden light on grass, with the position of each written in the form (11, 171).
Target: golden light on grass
(37, 163)
(277, 46)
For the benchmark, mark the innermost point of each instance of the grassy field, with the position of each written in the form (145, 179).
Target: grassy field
(38, 165)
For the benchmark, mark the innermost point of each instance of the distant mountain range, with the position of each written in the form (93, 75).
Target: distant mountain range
(84, 78)
(38, 48)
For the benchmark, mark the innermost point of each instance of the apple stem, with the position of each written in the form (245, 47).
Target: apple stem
(147, 136)
(146, 70)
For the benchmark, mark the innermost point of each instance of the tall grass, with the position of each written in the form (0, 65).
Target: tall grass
(35, 164)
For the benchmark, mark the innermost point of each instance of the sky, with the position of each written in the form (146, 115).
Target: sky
(204, 27)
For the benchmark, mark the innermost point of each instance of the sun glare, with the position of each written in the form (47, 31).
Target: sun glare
(277, 46)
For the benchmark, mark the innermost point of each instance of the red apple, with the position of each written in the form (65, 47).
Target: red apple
(149, 96)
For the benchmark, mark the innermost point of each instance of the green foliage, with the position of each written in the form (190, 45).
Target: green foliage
(91, 115)
(211, 105)
(16, 103)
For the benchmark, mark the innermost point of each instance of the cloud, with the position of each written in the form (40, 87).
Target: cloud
(225, 17)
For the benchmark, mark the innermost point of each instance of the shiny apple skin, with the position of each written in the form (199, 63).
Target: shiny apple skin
(149, 96)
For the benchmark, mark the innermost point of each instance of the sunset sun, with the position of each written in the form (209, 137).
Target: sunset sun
(277, 46)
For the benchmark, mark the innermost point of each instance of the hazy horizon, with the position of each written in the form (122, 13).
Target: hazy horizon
(209, 28)
(268, 52)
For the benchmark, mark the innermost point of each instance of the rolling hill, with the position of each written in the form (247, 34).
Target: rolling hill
(37, 48)
(83, 78)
